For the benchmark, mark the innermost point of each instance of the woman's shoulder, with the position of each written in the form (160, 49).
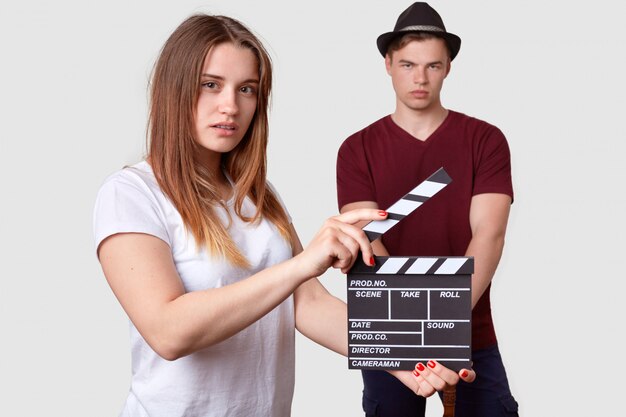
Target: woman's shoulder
(128, 201)
(139, 175)
(133, 185)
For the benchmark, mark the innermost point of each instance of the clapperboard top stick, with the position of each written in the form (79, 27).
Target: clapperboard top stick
(407, 204)
(398, 211)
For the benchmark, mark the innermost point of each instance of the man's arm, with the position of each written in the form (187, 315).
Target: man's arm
(489, 214)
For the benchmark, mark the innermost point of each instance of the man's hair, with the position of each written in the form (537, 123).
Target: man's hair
(172, 146)
(401, 41)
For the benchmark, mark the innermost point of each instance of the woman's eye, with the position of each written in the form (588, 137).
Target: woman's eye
(248, 90)
(209, 84)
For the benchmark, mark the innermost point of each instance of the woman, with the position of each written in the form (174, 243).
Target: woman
(200, 251)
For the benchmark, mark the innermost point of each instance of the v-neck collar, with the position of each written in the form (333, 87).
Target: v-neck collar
(401, 133)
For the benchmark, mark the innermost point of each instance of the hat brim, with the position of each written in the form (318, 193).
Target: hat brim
(453, 41)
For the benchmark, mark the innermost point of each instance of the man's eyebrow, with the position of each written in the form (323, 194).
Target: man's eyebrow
(406, 61)
(219, 77)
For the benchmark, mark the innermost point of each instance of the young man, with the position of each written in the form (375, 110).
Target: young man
(384, 161)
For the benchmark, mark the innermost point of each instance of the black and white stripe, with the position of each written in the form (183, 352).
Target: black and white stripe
(407, 204)
(417, 265)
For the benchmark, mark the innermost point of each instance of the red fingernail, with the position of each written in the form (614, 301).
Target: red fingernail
(416, 373)
(420, 366)
(371, 260)
(464, 373)
(432, 364)
(382, 213)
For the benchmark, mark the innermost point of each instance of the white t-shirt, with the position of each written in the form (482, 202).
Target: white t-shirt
(249, 374)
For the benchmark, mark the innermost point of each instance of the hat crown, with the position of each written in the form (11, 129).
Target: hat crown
(420, 17)
(419, 14)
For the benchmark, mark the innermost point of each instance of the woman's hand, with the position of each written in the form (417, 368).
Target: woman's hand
(435, 377)
(338, 242)
(427, 379)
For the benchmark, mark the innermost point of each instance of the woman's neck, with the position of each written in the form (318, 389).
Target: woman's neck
(212, 161)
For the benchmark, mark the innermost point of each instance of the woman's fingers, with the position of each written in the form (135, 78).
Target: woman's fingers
(345, 221)
(338, 242)
(342, 250)
(434, 377)
(429, 381)
(467, 375)
(354, 239)
(359, 215)
(424, 388)
(449, 376)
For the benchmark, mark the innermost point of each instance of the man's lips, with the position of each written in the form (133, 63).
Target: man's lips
(419, 93)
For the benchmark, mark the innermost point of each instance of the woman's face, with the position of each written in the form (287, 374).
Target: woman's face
(227, 99)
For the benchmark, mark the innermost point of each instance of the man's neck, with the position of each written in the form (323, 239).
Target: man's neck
(419, 123)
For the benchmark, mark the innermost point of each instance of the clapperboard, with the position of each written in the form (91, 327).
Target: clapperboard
(405, 310)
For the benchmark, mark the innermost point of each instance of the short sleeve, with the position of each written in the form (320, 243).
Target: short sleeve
(125, 204)
(493, 165)
(354, 182)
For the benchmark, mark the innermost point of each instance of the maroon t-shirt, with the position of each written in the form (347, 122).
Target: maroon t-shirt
(383, 162)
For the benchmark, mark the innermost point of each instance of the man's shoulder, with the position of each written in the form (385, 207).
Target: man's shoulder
(369, 132)
(373, 128)
(470, 121)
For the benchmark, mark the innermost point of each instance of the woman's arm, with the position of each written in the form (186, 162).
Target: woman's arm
(141, 272)
(319, 315)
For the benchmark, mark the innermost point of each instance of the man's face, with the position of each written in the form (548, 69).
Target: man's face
(417, 72)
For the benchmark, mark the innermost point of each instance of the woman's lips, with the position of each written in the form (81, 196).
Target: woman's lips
(225, 129)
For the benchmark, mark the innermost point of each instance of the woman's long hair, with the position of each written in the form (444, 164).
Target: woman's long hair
(172, 149)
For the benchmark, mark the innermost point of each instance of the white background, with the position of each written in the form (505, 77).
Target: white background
(73, 97)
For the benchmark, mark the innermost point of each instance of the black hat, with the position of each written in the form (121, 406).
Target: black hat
(420, 17)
